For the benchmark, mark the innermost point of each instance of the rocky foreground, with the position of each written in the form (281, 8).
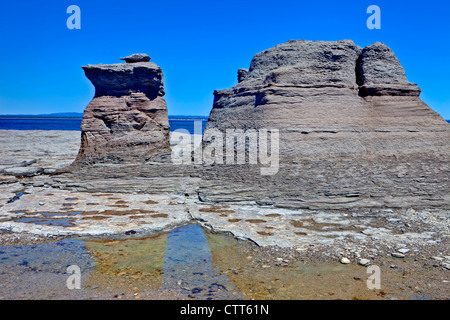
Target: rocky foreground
(35, 201)
(37, 206)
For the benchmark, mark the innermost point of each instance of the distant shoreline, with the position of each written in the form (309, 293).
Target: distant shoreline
(180, 118)
(50, 116)
(45, 122)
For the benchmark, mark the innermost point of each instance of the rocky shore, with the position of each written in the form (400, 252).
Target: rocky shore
(362, 177)
(410, 245)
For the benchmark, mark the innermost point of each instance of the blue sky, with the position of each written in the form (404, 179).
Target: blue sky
(200, 45)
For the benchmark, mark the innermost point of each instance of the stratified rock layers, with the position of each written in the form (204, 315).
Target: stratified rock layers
(127, 120)
(352, 127)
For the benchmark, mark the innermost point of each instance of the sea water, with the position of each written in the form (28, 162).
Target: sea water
(74, 124)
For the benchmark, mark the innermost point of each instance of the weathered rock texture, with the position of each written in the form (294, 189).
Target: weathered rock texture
(379, 73)
(127, 119)
(353, 130)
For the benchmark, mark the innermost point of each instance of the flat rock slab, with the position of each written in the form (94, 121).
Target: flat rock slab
(45, 149)
(62, 213)
(23, 171)
(269, 226)
(52, 212)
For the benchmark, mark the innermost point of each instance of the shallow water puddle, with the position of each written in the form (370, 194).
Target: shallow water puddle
(205, 265)
(188, 264)
(48, 222)
(180, 260)
(50, 218)
(16, 197)
(189, 261)
(47, 257)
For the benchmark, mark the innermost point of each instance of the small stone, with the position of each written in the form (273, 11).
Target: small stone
(397, 255)
(364, 262)
(403, 250)
(345, 260)
(271, 290)
(136, 57)
(41, 203)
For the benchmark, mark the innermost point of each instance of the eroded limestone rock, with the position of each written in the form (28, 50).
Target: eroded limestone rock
(127, 119)
(353, 130)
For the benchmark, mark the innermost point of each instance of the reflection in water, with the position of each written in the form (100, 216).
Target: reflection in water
(134, 257)
(179, 260)
(188, 264)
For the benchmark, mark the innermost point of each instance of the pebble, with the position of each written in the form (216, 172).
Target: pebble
(345, 260)
(403, 250)
(397, 255)
(364, 262)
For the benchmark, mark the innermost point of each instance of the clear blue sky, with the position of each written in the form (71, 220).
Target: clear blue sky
(200, 44)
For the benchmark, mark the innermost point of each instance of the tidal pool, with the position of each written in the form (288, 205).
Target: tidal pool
(188, 262)
(206, 265)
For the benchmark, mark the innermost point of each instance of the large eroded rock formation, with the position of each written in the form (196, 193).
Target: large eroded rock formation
(353, 130)
(127, 119)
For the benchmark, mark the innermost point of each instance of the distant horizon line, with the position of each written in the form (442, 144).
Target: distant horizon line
(79, 115)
